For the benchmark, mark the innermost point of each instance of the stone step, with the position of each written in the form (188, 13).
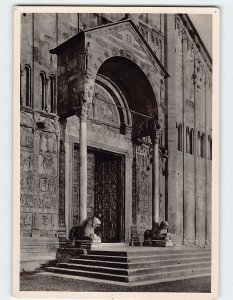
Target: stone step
(98, 275)
(174, 275)
(144, 257)
(135, 271)
(154, 276)
(148, 263)
(152, 251)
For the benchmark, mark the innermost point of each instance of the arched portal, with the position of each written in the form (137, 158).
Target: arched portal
(122, 86)
(123, 101)
(112, 98)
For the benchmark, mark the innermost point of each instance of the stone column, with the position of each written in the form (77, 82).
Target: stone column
(155, 180)
(83, 165)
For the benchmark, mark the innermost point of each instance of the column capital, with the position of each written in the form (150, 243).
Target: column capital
(83, 112)
(155, 137)
(154, 130)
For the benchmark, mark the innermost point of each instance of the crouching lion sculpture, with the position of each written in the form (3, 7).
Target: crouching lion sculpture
(159, 234)
(86, 231)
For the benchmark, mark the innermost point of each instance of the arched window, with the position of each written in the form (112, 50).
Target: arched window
(198, 143)
(209, 147)
(28, 101)
(43, 90)
(179, 137)
(191, 141)
(203, 145)
(187, 140)
(52, 93)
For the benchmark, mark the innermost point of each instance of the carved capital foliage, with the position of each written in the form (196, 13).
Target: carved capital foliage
(83, 113)
(88, 92)
(155, 137)
(154, 130)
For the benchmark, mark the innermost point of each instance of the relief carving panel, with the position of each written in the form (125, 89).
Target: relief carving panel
(27, 182)
(26, 200)
(26, 220)
(48, 185)
(47, 165)
(104, 109)
(26, 161)
(38, 178)
(143, 193)
(46, 223)
(48, 142)
(42, 201)
(61, 207)
(26, 137)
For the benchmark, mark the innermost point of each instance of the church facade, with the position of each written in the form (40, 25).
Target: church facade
(116, 122)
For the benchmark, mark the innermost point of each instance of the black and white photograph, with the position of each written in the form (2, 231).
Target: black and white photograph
(116, 150)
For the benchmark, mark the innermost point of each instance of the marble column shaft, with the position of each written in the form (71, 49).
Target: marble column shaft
(83, 168)
(155, 182)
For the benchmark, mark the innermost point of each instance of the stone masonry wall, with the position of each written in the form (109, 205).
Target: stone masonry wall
(193, 100)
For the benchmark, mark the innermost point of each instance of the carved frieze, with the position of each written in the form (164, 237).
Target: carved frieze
(48, 185)
(48, 142)
(61, 207)
(26, 200)
(104, 109)
(42, 201)
(39, 142)
(49, 201)
(143, 200)
(46, 223)
(26, 161)
(26, 137)
(26, 219)
(47, 165)
(27, 182)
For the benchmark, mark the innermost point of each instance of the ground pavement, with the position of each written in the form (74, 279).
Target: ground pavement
(38, 282)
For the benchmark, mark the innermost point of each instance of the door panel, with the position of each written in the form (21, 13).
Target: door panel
(109, 193)
(105, 193)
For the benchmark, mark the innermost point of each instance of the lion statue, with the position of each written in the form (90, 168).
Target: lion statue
(163, 231)
(86, 230)
(159, 233)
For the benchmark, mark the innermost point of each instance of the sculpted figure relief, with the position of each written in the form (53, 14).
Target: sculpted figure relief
(86, 230)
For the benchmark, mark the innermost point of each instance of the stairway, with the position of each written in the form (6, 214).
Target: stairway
(138, 265)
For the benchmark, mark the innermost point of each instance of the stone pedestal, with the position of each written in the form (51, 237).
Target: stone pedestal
(65, 253)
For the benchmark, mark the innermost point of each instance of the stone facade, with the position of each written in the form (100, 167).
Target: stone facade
(122, 72)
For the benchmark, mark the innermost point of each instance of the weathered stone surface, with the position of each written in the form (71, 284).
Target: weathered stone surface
(87, 73)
